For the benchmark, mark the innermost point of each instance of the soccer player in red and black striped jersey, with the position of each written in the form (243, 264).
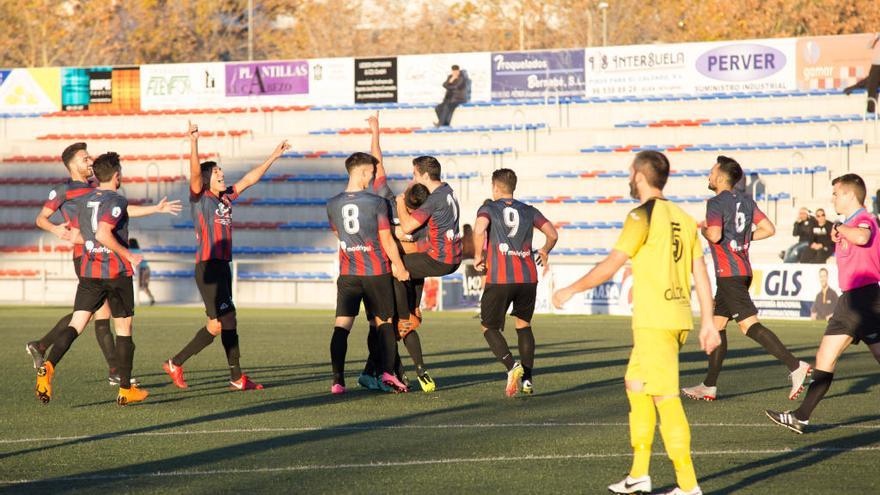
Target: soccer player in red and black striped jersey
(105, 278)
(63, 198)
(439, 250)
(511, 274)
(211, 205)
(368, 256)
(730, 216)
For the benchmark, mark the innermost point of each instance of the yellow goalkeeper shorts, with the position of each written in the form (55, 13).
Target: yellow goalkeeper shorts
(654, 360)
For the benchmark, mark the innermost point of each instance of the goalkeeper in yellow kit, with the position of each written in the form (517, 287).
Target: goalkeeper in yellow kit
(661, 239)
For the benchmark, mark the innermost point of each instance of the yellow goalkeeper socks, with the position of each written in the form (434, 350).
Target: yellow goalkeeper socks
(677, 438)
(642, 420)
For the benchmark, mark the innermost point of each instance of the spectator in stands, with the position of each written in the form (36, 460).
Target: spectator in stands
(456, 86)
(756, 188)
(803, 230)
(823, 306)
(871, 82)
(143, 271)
(821, 246)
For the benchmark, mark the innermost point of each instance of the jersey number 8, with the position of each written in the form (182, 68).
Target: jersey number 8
(350, 221)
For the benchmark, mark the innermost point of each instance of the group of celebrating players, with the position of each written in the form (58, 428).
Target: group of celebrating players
(389, 244)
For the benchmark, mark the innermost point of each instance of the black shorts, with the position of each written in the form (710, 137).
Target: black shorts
(214, 279)
(732, 298)
(376, 291)
(118, 292)
(498, 297)
(857, 314)
(77, 263)
(422, 265)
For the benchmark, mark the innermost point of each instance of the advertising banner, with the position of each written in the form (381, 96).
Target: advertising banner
(826, 62)
(778, 290)
(539, 74)
(30, 90)
(330, 81)
(375, 80)
(171, 86)
(421, 77)
(280, 77)
(101, 88)
(730, 66)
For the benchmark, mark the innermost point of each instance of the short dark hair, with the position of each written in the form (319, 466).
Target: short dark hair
(505, 178)
(730, 168)
(133, 244)
(654, 165)
(429, 165)
(206, 168)
(854, 182)
(106, 165)
(455, 67)
(360, 159)
(820, 209)
(415, 196)
(823, 270)
(70, 152)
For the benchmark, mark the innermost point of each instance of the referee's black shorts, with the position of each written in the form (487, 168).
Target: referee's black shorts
(857, 314)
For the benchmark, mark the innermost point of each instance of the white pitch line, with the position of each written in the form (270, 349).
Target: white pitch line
(387, 464)
(112, 436)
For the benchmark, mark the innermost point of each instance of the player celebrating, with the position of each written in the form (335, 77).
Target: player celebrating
(414, 197)
(662, 241)
(857, 314)
(211, 206)
(729, 219)
(512, 276)
(64, 197)
(360, 221)
(105, 277)
(439, 252)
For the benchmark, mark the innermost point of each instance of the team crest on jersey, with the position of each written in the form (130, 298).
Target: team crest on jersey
(223, 213)
(116, 212)
(53, 194)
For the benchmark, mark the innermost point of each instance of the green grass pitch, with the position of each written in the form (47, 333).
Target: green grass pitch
(294, 437)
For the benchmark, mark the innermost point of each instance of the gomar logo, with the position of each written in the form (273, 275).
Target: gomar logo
(741, 62)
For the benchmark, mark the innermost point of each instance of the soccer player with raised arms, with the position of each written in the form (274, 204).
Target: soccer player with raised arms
(211, 205)
(511, 274)
(856, 317)
(661, 239)
(728, 228)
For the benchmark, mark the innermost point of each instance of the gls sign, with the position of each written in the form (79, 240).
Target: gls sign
(741, 62)
(778, 283)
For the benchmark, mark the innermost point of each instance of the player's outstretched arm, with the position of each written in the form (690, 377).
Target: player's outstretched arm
(763, 230)
(481, 226)
(172, 207)
(709, 337)
(195, 169)
(257, 172)
(105, 236)
(599, 274)
(375, 149)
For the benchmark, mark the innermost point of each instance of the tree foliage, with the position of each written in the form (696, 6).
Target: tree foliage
(119, 32)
